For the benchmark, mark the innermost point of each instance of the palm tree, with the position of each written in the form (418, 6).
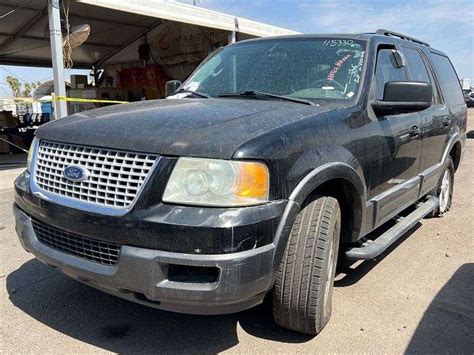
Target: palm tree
(14, 85)
(27, 90)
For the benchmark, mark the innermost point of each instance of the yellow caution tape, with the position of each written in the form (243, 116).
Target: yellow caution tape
(73, 99)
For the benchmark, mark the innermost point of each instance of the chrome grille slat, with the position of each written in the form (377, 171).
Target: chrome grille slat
(115, 180)
(73, 244)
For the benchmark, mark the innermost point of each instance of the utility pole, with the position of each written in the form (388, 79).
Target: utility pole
(54, 15)
(232, 37)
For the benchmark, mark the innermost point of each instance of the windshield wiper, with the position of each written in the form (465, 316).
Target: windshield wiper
(255, 93)
(197, 93)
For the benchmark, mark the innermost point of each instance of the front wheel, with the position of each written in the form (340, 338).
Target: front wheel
(302, 296)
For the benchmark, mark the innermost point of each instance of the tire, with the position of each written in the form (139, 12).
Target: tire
(444, 190)
(302, 296)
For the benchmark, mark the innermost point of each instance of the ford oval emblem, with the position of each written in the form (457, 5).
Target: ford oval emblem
(76, 173)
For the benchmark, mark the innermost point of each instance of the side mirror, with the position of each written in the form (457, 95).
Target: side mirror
(171, 87)
(403, 97)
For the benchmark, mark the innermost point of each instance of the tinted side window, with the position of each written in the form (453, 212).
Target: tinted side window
(386, 70)
(419, 71)
(416, 66)
(447, 79)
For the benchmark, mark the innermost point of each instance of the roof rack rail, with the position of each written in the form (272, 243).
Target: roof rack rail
(400, 35)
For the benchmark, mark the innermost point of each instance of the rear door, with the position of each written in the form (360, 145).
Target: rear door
(436, 121)
(453, 99)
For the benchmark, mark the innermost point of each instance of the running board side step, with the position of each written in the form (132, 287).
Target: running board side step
(373, 248)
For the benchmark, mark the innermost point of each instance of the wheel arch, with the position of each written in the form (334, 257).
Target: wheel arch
(338, 180)
(350, 204)
(454, 149)
(455, 154)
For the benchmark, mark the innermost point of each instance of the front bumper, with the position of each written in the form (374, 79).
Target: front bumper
(141, 275)
(154, 225)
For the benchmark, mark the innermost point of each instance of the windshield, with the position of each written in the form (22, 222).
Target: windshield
(308, 68)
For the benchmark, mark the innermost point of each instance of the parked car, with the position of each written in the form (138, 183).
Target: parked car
(469, 99)
(284, 154)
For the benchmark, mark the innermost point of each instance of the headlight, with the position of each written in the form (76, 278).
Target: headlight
(30, 154)
(211, 182)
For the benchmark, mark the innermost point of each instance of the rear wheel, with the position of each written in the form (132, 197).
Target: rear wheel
(444, 191)
(302, 297)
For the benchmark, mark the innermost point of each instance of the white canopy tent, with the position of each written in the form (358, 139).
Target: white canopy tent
(30, 33)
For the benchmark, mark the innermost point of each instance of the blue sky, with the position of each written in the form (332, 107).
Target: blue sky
(446, 25)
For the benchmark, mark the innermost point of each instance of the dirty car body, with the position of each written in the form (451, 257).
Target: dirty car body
(219, 259)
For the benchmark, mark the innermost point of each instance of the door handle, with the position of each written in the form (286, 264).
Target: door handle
(415, 131)
(446, 122)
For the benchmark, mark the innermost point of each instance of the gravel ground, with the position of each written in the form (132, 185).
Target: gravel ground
(418, 297)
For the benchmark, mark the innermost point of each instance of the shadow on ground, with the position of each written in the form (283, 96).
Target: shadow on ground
(120, 326)
(447, 325)
(350, 272)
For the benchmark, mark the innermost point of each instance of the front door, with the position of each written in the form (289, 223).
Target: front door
(396, 157)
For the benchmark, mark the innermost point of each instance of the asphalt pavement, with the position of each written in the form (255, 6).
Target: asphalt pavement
(417, 298)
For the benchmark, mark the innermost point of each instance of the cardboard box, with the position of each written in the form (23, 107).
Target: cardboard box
(10, 148)
(78, 81)
(7, 120)
(20, 141)
(4, 146)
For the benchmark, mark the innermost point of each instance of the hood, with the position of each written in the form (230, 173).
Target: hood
(212, 128)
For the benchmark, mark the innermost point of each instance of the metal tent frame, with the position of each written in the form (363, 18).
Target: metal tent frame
(118, 27)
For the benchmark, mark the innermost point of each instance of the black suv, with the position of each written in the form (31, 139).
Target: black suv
(280, 155)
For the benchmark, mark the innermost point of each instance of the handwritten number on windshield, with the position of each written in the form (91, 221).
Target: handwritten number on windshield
(338, 42)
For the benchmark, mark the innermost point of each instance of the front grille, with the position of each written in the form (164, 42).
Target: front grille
(72, 244)
(115, 176)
